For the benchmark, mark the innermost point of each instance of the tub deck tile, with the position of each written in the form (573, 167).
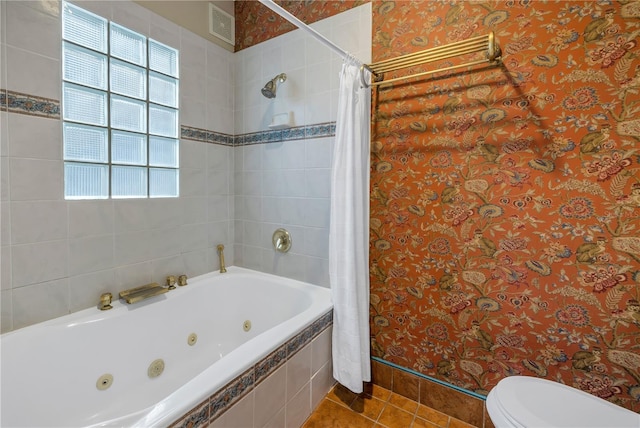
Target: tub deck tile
(198, 417)
(270, 363)
(226, 397)
(235, 390)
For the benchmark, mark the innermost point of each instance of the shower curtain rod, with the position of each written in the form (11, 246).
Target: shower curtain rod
(301, 25)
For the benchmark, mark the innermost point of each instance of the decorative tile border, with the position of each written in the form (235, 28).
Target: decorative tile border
(213, 407)
(318, 130)
(16, 102)
(205, 136)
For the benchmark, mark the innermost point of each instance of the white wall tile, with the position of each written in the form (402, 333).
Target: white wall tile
(34, 27)
(289, 265)
(220, 232)
(4, 116)
(193, 182)
(218, 183)
(193, 112)
(38, 262)
(193, 52)
(292, 155)
(90, 254)
(194, 210)
(272, 61)
(164, 31)
(132, 247)
(4, 178)
(34, 221)
(193, 237)
(163, 267)
(163, 212)
(99, 7)
(35, 137)
(5, 267)
(132, 16)
(218, 63)
(130, 215)
(317, 271)
(6, 311)
(318, 183)
(193, 154)
(316, 242)
(40, 302)
(35, 179)
(133, 275)
(253, 233)
(85, 290)
(296, 54)
(316, 212)
(164, 242)
(218, 208)
(25, 73)
(196, 263)
(89, 218)
(5, 223)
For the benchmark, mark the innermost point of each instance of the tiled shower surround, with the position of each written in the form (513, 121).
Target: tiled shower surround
(239, 180)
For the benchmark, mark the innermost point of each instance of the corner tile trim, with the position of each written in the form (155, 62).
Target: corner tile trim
(17, 102)
(222, 400)
(430, 379)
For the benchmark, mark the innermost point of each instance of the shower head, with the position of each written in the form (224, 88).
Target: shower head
(269, 89)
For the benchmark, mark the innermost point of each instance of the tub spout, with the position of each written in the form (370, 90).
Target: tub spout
(223, 268)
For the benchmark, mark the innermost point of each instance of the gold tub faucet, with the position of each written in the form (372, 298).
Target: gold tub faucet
(223, 268)
(105, 302)
(182, 280)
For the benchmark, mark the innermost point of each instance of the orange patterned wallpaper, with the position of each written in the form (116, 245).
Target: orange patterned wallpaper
(256, 23)
(505, 203)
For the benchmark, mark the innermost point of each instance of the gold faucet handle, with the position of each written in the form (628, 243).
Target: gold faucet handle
(182, 280)
(171, 282)
(105, 302)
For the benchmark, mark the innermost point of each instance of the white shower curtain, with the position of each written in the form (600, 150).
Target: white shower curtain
(349, 231)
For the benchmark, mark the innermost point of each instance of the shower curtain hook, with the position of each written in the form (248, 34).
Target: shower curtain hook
(364, 83)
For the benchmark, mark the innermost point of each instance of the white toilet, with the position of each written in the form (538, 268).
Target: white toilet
(523, 401)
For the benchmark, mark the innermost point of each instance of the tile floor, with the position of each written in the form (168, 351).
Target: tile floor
(377, 407)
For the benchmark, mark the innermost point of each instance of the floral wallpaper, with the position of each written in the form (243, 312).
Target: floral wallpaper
(256, 23)
(505, 202)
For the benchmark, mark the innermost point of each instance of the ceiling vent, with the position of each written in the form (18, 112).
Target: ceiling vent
(221, 24)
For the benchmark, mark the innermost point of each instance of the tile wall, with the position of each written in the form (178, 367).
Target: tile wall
(58, 256)
(431, 393)
(286, 183)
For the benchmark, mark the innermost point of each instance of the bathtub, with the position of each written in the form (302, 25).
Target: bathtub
(217, 338)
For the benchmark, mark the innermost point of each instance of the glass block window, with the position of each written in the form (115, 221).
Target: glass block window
(120, 111)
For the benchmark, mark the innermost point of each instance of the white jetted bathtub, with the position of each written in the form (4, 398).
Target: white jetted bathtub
(211, 341)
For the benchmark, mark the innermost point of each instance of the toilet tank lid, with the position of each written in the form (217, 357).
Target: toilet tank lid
(533, 402)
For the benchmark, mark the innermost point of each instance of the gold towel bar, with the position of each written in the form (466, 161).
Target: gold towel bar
(485, 43)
